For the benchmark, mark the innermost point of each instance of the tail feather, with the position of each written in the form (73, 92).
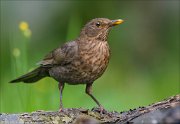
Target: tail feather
(32, 76)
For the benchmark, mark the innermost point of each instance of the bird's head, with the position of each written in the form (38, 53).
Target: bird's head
(99, 28)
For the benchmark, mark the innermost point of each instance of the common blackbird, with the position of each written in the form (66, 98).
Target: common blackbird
(81, 61)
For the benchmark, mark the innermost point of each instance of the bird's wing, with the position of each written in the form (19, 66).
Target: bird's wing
(61, 56)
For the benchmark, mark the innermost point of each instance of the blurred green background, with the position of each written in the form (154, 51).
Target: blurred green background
(144, 66)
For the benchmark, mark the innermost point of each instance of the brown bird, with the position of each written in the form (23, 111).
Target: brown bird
(81, 61)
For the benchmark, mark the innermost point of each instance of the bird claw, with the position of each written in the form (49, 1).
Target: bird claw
(100, 109)
(61, 110)
(103, 111)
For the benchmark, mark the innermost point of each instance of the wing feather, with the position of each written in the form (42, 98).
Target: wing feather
(62, 55)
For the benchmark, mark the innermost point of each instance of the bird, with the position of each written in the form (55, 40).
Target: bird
(80, 61)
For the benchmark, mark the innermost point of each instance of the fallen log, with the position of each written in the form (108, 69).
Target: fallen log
(166, 111)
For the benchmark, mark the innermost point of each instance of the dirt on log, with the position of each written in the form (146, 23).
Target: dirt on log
(166, 111)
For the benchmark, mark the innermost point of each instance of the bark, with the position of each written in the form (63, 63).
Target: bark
(166, 111)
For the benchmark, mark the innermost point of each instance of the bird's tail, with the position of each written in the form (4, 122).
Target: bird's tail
(32, 76)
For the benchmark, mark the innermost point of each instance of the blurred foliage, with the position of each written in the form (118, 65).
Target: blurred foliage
(144, 66)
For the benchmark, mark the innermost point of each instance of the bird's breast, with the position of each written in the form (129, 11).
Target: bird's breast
(93, 59)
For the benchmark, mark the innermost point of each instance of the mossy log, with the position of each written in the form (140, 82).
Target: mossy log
(166, 111)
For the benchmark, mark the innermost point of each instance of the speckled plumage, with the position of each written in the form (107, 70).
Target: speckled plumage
(81, 61)
(86, 65)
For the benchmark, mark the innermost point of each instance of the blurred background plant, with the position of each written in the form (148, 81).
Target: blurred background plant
(144, 66)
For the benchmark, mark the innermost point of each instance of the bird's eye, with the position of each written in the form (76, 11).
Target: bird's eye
(98, 24)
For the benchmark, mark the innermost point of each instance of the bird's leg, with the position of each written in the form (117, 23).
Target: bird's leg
(61, 87)
(89, 92)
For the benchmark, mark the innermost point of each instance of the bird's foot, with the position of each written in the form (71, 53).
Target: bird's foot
(61, 110)
(100, 109)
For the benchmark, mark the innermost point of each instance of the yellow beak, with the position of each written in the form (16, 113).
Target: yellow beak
(116, 22)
